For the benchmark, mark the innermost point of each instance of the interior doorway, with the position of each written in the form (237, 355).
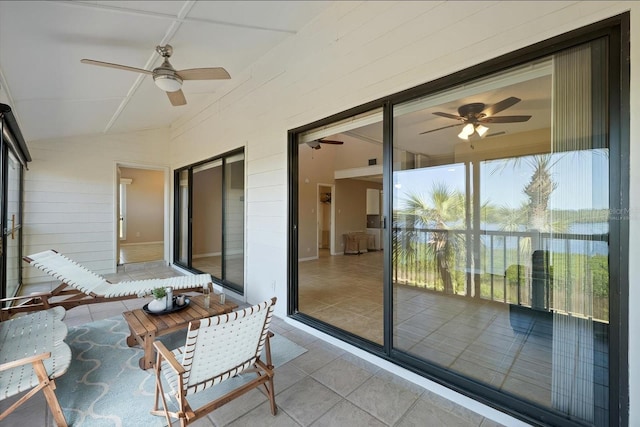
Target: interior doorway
(140, 211)
(326, 219)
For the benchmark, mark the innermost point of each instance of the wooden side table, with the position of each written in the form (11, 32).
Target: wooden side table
(145, 327)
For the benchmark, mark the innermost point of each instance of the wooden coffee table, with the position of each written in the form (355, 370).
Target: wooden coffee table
(146, 327)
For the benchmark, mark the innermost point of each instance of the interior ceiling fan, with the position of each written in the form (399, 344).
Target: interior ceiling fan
(168, 78)
(315, 144)
(474, 115)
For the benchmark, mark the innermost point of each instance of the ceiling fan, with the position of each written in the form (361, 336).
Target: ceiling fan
(168, 78)
(473, 115)
(315, 144)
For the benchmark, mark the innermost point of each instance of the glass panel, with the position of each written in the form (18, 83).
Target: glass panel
(206, 226)
(234, 220)
(500, 232)
(12, 252)
(183, 220)
(340, 244)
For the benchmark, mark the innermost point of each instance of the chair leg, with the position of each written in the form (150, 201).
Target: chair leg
(48, 389)
(160, 391)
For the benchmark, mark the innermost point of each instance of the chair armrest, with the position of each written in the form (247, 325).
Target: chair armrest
(169, 357)
(24, 361)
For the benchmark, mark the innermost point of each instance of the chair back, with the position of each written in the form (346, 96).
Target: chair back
(219, 347)
(66, 270)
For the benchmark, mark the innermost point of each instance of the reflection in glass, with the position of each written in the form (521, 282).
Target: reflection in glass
(500, 256)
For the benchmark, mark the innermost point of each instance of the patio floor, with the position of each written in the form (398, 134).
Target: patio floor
(326, 386)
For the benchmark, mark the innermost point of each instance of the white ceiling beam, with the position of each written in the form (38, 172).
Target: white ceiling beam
(171, 31)
(166, 16)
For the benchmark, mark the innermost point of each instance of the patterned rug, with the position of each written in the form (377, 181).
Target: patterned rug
(105, 386)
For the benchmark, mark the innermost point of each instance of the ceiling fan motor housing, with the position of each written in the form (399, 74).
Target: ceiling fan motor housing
(472, 111)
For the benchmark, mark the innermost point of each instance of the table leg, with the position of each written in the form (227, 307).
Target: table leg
(131, 340)
(146, 361)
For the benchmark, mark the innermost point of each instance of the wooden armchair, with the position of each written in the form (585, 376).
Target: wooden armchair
(32, 354)
(217, 348)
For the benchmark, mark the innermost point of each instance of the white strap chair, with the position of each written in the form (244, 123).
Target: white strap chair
(217, 348)
(82, 286)
(32, 355)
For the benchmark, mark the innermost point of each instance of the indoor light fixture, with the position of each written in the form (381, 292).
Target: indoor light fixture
(481, 130)
(168, 82)
(469, 129)
(466, 131)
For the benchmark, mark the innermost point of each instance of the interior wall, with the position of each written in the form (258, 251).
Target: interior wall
(207, 212)
(351, 208)
(145, 205)
(70, 195)
(317, 168)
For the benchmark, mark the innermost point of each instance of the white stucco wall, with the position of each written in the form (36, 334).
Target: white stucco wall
(355, 52)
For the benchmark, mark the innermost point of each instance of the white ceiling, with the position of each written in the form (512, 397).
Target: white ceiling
(53, 95)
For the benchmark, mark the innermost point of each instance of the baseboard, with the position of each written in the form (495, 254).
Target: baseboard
(206, 255)
(142, 243)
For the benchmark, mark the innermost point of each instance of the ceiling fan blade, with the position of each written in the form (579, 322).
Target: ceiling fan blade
(117, 66)
(329, 141)
(216, 73)
(505, 119)
(448, 116)
(446, 127)
(177, 98)
(502, 105)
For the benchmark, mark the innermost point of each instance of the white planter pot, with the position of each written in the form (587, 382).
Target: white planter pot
(158, 304)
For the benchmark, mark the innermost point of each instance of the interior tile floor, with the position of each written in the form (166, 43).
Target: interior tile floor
(325, 386)
(141, 253)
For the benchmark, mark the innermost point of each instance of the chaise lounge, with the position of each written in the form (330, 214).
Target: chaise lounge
(82, 286)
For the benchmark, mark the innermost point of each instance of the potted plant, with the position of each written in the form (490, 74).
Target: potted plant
(159, 302)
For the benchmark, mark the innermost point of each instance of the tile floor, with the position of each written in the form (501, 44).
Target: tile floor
(141, 253)
(511, 350)
(326, 386)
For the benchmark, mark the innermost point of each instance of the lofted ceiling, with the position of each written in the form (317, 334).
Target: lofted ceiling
(53, 95)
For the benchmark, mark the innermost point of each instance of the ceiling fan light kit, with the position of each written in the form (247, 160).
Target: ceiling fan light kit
(473, 115)
(469, 129)
(168, 83)
(166, 77)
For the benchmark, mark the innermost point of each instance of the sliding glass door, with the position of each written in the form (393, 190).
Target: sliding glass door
(340, 241)
(13, 159)
(502, 234)
(209, 231)
(502, 210)
(13, 229)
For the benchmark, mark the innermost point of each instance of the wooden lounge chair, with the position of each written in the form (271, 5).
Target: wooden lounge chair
(82, 286)
(217, 348)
